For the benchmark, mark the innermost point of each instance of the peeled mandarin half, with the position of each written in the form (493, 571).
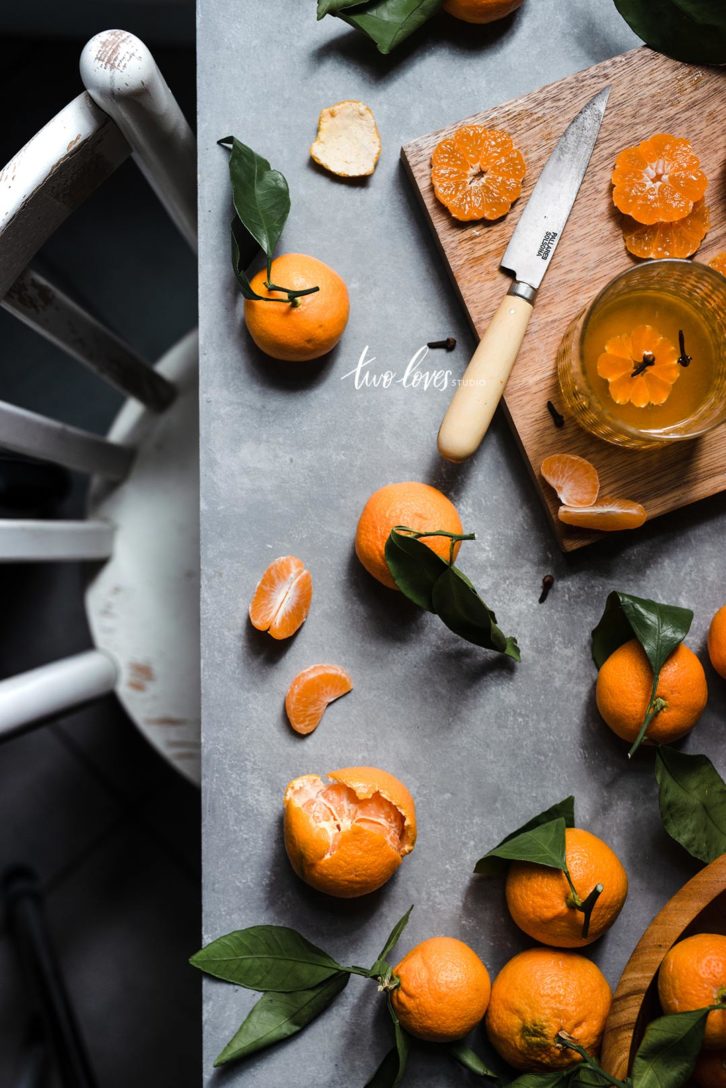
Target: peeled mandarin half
(719, 262)
(347, 833)
(348, 142)
(281, 601)
(477, 172)
(310, 693)
(607, 515)
(575, 480)
(658, 241)
(658, 180)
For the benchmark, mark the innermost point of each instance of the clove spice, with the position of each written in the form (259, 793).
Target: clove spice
(683, 358)
(557, 418)
(449, 343)
(640, 368)
(547, 582)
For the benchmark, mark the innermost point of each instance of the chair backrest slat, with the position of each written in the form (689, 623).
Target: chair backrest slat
(31, 541)
(37, 436)
(37, 302)
(50, 177)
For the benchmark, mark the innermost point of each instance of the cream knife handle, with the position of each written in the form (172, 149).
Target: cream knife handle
(468, 416)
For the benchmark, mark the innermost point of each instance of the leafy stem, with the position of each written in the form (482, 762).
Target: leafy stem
(655, 705)
(586, 905)
(565, 1040)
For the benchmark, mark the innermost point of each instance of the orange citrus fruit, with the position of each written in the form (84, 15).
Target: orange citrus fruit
(710, 1071)
(657, 241)
(480, 11)
(624, 686)
(658, 180)
(540, 993)
(310, 327)
(719, 262)
(443, 990)
(348, 834)
(417, 506)
(693, 976)
(310, 693)
(717, 641)
(281, 601)
(640, 367)
(540, 899)
(575, 480)
(608, 515)
(477, 173)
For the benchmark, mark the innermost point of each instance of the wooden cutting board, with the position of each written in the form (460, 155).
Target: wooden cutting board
(649, 93)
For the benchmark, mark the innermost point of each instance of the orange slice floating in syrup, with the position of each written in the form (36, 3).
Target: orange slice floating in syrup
(640, 367)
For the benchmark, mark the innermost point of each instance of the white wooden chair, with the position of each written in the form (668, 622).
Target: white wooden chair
(141, 532)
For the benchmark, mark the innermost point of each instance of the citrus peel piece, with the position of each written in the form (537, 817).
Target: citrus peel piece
(281, 601)
(348, 142)
(311, 692)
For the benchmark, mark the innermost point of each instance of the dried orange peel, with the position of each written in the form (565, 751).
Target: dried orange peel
(658, 241)
(477, 172)
(311, 692)
(658, 180)
(281, 601)
(346, 834)
(640, 367)
(348, 142)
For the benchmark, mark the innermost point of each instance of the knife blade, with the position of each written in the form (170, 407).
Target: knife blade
(528, 256)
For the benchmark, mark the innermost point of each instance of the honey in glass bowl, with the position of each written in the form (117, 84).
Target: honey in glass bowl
(677, 309)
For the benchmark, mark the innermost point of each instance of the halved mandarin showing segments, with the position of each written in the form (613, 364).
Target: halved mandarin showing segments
(640, 367)
(608, 515)
(477, 173)
(347, 832)
(658, 180)
(719, 262)
(659, 241)
(310, 693)
(281, 600)
(574, 479)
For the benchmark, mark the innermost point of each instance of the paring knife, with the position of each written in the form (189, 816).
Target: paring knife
(528, 256)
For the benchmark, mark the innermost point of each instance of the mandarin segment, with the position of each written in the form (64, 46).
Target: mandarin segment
(693, 976)
(539, 993)
(658, 241)
(540, 900)
(658, 180)
(477, 173)
(640, 367)
(624, 686)
(281, 601)
(608, 515)
(417, 506)
(719, 262)
(443, 990)
(311, 691)
(575, 480)
(347, 836)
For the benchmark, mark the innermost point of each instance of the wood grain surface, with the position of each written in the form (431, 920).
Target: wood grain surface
(699, 907)
(649, 93)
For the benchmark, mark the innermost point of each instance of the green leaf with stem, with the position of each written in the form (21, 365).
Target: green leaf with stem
(277, 1016)
(390, 22)
(659, 628)
(263, 958)
(394, 936)
(689, 30)
(494, 862)
(558, 1078)
(467, 1057)
(414, 568)
(260, 195)
(386, 1073)
(402, 1043)
(464, 612)
(692, 800)
(667, 1055)
(332, 7)
(589, 1062)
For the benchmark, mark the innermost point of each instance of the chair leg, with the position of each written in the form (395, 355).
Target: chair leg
(26, 923)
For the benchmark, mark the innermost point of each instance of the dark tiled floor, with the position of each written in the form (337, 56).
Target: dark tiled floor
(113, 832)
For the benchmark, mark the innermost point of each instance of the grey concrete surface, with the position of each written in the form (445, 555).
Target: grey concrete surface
(289, 456)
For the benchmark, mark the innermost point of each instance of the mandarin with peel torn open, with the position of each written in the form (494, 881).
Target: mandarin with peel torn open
(310, 693)
(348, 143)
(477, 172)
(282, 597)
(608, 515)
(346, 833)
(575, 480)
(658, 180)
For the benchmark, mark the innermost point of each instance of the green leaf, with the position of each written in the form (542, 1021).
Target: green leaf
(266, 958)
(402, 1043)
(659, 628)
(386, 1073)
(543, 845)
(689, 30)
(558, 1078)
(260, 194)
(669, 1050)
(278, 1016)
(390, 22)
(332, 7)
(494, 861)
(414, 567)
(692, 799)
(465, 613)
(395, 935)
(470, 1060)
(240, 249)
